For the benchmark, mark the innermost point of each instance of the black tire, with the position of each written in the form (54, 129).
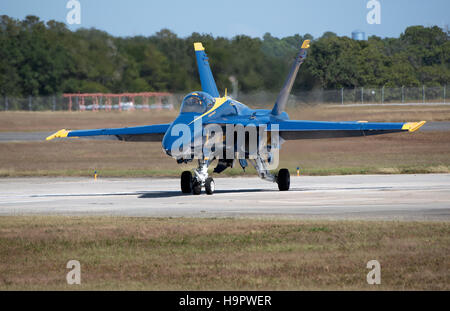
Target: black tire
(186, 182)
(196, 188)
(210, 186)
(284, 179)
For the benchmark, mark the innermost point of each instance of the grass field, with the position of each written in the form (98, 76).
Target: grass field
(207, 254)
(419, 152)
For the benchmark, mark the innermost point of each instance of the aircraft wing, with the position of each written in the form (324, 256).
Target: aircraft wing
(293, 129)
(136, 133)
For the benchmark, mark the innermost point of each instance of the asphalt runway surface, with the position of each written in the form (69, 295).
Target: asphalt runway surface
(366, 197)
(40, 136)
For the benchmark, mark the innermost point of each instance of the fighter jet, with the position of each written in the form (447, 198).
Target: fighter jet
(218, 128)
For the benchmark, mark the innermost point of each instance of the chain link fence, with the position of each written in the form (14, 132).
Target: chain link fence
(33, 103)
(354, 96)
(61, 103)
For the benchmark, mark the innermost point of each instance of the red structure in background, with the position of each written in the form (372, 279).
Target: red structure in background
(108, 99)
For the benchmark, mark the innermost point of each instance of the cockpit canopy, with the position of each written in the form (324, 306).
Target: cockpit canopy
(198, 102)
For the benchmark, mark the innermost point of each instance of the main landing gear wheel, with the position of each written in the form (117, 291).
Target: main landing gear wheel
(186, 182)
(210, 186)
(283, 179)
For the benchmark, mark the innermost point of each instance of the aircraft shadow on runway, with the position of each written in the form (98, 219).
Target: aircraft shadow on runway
(177, 193)
(149, 194)
(168, 194)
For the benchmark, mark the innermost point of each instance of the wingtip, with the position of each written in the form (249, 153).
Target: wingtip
(60, 134)
(198, 46)
(413, 126)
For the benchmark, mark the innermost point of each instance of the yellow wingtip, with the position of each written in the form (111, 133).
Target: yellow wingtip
(413, 126)
(305, 44)
(198, 46)
(60, 134)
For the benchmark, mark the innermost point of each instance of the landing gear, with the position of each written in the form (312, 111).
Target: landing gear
(283, 179)
(196, 188)
(186, 182)
(210, 186)
(194, 184)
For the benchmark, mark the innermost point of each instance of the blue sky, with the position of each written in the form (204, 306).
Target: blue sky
(231, 17)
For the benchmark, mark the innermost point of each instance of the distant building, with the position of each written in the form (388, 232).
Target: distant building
(359, 35)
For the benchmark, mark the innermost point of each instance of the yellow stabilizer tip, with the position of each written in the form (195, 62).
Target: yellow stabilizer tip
(413, 126)
(60, 134)
(305, 44)
(198, 46)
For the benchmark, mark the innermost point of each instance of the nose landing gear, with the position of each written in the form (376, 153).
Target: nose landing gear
(190, 184)
(194, 184)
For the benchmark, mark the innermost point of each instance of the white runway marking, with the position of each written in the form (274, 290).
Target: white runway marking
(385, 197)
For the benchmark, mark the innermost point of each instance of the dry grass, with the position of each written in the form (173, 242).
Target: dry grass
(206, 254)
(419, 152)
(23, 121)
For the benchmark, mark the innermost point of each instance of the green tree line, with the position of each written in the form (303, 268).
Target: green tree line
(46, 58)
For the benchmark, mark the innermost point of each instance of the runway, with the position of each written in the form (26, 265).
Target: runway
(368, 197)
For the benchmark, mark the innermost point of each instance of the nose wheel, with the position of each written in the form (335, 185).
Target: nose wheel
(192, 185)
(186, 182)
(210, 186)
(196, 188)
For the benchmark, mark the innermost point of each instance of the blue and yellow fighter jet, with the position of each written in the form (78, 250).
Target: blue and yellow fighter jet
(209, 108)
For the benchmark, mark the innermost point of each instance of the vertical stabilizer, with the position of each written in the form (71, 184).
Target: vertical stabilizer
(206, 76)
(282, 98)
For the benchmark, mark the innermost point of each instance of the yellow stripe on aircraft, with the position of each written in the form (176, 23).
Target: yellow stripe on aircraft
(219, 102)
